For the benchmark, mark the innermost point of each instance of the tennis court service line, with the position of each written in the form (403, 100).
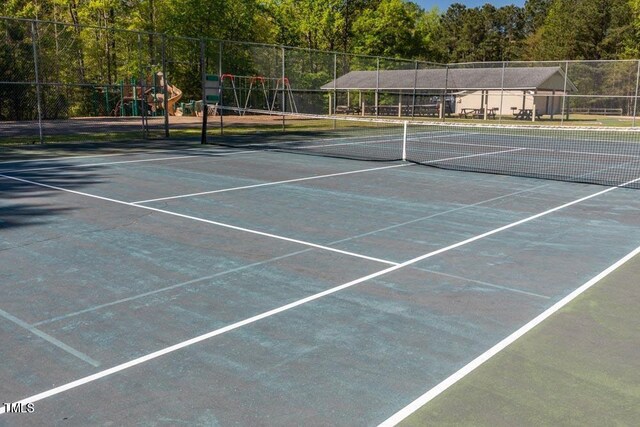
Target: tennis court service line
(167, 350)
(291, 254)
(266, 184)
(309, 178)
(203, 220)
(430, 162)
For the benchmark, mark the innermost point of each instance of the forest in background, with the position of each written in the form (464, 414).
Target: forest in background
(541, 30)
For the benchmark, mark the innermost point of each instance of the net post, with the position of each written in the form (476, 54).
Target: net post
(34, 42)
(635, 100)
(404, 140)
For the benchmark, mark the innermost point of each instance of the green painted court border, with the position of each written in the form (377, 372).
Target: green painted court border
(579, 367)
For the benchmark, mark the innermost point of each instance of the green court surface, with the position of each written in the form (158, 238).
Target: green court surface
(187, 284)
(578, 368)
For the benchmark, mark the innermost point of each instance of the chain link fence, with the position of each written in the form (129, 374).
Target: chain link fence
(64, 82)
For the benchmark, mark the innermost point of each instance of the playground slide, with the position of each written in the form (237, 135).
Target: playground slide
(174, 96)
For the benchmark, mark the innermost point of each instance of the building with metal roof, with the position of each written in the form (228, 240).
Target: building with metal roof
(486, 91)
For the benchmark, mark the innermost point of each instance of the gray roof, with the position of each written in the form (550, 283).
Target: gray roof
(520, 78)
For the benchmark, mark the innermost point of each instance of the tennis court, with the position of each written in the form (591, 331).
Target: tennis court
(247, 283)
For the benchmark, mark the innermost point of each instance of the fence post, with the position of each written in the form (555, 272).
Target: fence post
(203, 79)
(143, 89)
(165, 86)
(376, 105)
(335, 94)
(564, 94)
(220, 103)
(443, 105)
(415, 84)
(284, 92)
(501, 92)
(34, 37)
(635, 100)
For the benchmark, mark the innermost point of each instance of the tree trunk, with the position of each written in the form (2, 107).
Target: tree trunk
(73, 10)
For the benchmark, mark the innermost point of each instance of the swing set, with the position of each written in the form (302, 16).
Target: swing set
(258, 92)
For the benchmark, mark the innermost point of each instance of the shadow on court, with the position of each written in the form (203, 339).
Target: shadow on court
(23, 204)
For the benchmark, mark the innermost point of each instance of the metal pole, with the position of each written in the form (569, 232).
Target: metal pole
(335, 95)
(446, 86)
(203, 79)
(404, 141)
(635, 100)
(377, 107)
(220, 103)
(165, 86)
(564, 93)
(501, 92)
(34, 37)
(284, 100)
(415, 84)
(143, 96)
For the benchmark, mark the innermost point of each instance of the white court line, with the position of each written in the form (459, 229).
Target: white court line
(265, 184)
(168, 288)
(128, 153)
(491, 285)
(156, 159)
(123, 366)
(46, 159)
(48, 338)
(430, 162)
(475, 363)
(261, 233)
(220, 224)
(86, 165)
(175, 286)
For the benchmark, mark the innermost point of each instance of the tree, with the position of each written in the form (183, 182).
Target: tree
(597, 30)
(631, 43)
(535, 13)
(396, 29)
(481, 34)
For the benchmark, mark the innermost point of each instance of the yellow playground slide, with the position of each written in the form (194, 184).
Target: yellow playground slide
(174, 95)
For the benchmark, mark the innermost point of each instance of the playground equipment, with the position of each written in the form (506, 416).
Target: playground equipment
(173, 93)
(130, 100)
(244, 93)
(285, 91)
(260, 83)
(256, 92)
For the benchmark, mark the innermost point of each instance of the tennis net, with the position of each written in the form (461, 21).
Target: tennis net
(606, 156)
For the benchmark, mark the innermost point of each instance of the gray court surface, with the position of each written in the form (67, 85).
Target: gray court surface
(200, 285)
